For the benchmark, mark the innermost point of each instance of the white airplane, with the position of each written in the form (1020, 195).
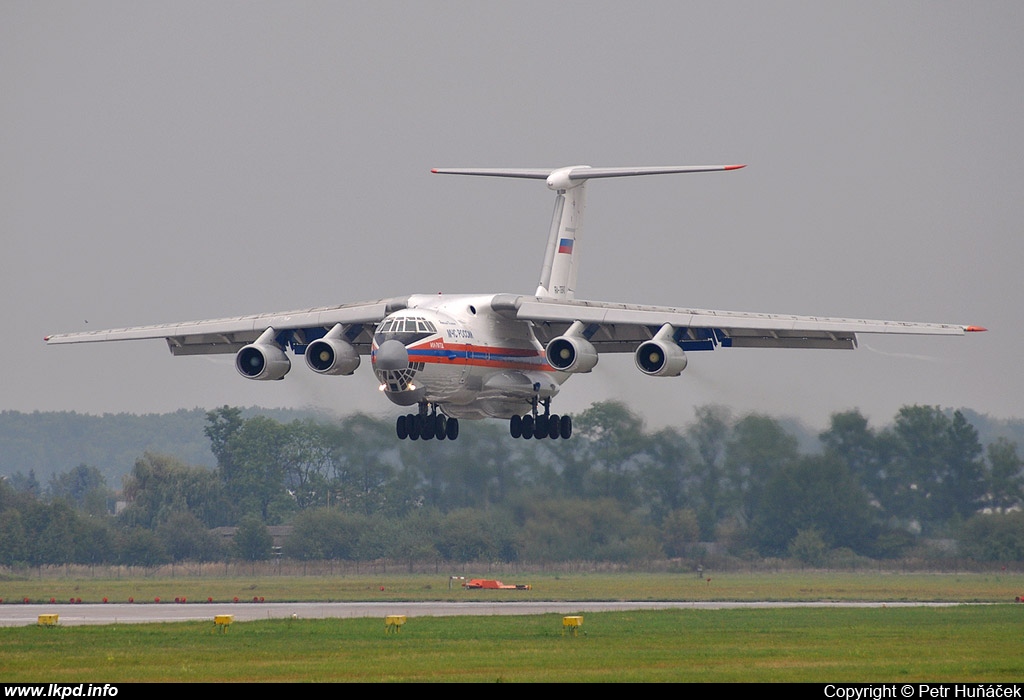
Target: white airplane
(455, 356)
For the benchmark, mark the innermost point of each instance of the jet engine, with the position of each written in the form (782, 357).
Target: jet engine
(571, 352)
(263, 360)
(661, 356)
(658, 358)
(332, 356)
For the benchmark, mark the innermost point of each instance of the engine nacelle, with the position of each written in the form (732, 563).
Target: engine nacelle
(571, 353)
(262, 361)
(660, 358)
(331, 356)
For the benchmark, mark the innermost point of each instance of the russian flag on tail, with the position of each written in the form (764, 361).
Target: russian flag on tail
(565, 245)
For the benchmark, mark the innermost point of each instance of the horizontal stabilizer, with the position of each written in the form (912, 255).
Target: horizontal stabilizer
(584, 172)
(559, 270)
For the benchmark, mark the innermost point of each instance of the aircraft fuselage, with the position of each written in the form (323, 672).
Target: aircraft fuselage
(462, 356)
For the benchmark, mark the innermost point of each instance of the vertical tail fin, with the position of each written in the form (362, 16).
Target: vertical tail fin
(561, 258)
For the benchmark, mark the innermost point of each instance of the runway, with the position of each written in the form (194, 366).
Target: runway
(14, 615)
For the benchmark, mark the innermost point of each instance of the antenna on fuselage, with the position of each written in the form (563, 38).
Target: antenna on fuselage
(561, 258)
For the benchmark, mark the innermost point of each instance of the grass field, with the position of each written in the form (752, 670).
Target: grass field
(978, 643)
(792, 585)
(964, 643)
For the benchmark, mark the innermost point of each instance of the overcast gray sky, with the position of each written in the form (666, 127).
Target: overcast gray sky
(171, 161)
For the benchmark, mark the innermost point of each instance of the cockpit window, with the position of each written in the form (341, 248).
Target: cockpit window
(405, 329)
(407, 324)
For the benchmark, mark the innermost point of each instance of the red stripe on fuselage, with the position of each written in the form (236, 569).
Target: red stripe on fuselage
(441, 353)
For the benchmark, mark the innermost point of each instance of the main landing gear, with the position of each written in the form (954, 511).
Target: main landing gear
(428, 424)
(546, 425)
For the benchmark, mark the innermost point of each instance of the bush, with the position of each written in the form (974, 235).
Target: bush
(994, 537)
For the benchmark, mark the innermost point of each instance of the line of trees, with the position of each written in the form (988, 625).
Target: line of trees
(615, 492)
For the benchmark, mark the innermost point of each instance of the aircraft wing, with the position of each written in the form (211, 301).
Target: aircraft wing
(614, 327)
(229, 335)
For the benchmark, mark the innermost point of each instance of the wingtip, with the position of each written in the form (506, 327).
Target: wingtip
(735, 167)
(975, 329)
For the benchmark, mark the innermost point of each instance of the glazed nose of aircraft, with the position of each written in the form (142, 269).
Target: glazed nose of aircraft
(392, 355)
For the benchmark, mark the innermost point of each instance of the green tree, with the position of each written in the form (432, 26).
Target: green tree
(160, 486)
(850, 440)
(324, 533)
(52, 533)
(994, 537)
(415, 536)
(610, 442)
(306, 461)
(252, 540)
(809, 547)
(378, 537)
(466, 535)
(680, 531)
(84, 487)
(575, 529)
(666, 475)
(963, 481)
(812, 493)
(939, 470)
(94, 540)
(222, 426)
(255, 484)
(362, 466)
(184, 537)
(709, 435)
(137, 546)
(476, 475)
(26, 483)
(921, 433)
(14, 538)
(1005, 475)
(759, 447)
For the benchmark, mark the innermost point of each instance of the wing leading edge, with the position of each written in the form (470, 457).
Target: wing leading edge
(229, 335)
(615, 327)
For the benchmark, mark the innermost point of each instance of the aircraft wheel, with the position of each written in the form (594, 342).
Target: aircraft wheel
(440, 427)
(415, 424)
(527, 427)
(565, 427)
(452, 429)
(402, 428)
(554, 427)
(427, 429)
(515, 426)
(540, 426)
